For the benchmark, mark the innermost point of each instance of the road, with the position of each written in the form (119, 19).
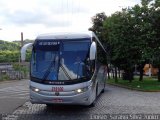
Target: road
(13, 94)
(115, 100)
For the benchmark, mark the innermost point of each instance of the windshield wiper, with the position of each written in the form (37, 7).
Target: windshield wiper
(49, 68)
(65, 71)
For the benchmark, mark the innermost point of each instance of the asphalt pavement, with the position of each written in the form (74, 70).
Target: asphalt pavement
(13, 94)
(114, 101)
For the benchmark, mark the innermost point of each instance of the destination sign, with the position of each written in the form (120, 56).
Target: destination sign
(47, 45)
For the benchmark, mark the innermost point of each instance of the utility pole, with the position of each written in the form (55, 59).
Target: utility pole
(21, 39)
(21, 46)
(20, 62)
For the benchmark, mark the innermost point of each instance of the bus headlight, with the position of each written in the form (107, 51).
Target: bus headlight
(81, 90)
(34, 89)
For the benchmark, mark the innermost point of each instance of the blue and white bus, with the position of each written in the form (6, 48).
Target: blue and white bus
(64, 69)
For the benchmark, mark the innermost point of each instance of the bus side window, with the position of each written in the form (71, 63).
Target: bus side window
(89, 67)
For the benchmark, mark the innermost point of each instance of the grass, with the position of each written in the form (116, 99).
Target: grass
(148, 84)
(4, 77)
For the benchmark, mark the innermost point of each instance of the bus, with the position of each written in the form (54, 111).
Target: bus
(65, 69)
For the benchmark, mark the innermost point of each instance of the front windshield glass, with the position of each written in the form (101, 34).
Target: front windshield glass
(44, 63)
(67, 60)
(74, 56)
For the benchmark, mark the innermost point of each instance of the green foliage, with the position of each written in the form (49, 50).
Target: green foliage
(4, 77)
(21, 68)
(131, 35)
(124, 45)
(24, 42)
(10, 51)
(4, 45)
(98, 29)
(148, 84)
(12, 56)
(9, 56)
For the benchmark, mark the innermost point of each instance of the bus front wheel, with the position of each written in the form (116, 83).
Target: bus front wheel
(94, 102)
(49, 105)
(103, 89)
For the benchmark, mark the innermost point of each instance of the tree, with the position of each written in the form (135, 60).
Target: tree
(132, 36)
(155, 43)
(98, 29)
(124, 45)
(10, 51)
(141, 27)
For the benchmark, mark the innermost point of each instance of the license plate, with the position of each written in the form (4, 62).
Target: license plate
(57, 100)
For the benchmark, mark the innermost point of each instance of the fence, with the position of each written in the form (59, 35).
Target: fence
(8, 72)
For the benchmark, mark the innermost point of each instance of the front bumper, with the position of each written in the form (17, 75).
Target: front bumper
(65, 97)
(79, 99)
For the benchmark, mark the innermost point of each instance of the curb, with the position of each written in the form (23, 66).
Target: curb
(122, 86)
(8, 81)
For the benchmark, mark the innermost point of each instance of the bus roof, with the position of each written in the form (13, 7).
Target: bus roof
(66, 35)
(69, 35)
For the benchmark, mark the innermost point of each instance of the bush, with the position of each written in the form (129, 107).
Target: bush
(21, 68)
(4, 77)
(12, 56)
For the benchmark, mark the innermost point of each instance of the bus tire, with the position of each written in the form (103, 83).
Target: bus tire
(103, 89)
(49, 105)
(94, 102)
(92, 105)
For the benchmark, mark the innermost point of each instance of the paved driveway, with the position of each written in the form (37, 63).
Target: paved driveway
(115, 100)
(12, 95)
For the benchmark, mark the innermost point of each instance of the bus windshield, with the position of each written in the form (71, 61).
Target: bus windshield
(64, 60)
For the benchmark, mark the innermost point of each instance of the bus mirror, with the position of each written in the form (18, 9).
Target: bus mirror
(93, 51)
(23, 51)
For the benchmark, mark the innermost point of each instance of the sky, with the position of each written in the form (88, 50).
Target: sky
(34, 17)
